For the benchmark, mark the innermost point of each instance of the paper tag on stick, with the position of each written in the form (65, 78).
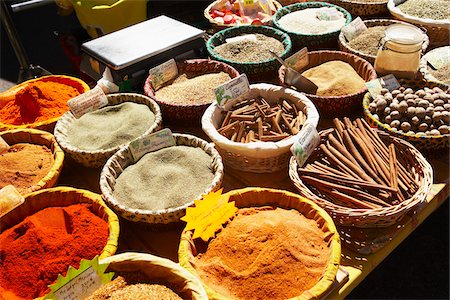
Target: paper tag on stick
(232, 89)
(10, 198)
(354, 29)
(298, 60)
(87, 102)
(308, 140)
(158, 140)
(163, 73)
(389, 82)
(3, 146)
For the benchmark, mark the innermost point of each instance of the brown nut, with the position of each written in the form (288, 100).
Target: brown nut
(423, 127)
(402, 106)
(444, 129)
(435, 132)
(409, 91)
(415, 120)
(420, 112)
(384, 91)
(438, 102)
(437, 90)
(395, 124)
(424, 103)
(395, 115)
(405, 126)
(411, 112)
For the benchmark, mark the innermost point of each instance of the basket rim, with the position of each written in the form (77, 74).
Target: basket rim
(396, 12)
(424, 69)
(381, 2)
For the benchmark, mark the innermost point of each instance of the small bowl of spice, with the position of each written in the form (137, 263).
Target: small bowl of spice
(246, 48)
(315, 25)
(341, 80)
(366, 44)
(364, 8)
(439, 73)
(186, 98)
(158, 187)
(278, 244)
(52, 230)
(141, 275)
(33, 161)
(38, 103)
(95, 136)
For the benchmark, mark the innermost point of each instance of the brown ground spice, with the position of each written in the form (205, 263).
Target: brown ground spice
(24, 165)
(265, 253)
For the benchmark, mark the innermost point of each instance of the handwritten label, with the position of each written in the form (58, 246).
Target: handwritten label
(308, 140)
(298, 60)
(87, 102)
(209, 214)
(163, 73)
(152, 142)
(354, 29)
(3, 145)
(232, 89)
(328, 14)
(439, 57)
(10, 198)
(244, 37)
(389, 82)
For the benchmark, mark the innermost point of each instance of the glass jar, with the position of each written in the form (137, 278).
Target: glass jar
(400, 50)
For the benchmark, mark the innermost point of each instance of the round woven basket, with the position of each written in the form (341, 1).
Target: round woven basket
(47, 125)
(438, 30)
(257, 157)
(157, 270)
(189, 113)
(251, 197)
(312, 41)
(124, 158)
(368, 218)
(96, 159)
(333, 106)
(426, 73)
(363, 8)
(38, 137)
(344, 46)
(216, 26)
(256, 71)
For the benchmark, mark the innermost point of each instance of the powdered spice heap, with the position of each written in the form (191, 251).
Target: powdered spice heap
(265, 253)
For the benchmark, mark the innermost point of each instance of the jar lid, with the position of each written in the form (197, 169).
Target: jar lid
(404, 34)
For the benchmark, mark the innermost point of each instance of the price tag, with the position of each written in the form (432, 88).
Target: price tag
(87, 102)
(389, 82)
(3, 146)
(209, 214)
(439, 57)
(152, 142)
(10, 198)
(163, 73)
(355, 28)
(232, 89)
(308, 140)
(245, 37)
(328, 14)
(107, 82)
(298, 60)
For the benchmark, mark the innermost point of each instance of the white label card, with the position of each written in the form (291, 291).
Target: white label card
(354, 29)
(389, 82)
(3, 146)
(438, 57)
(308, 140)
(232, 89)
(152, 142)
(10, 198)
(298, 60)
(244, 37)
(87, 102)
(80, 287)
(328, 14)
(163, 73)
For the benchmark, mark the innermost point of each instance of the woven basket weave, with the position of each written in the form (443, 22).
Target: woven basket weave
(363, 8)
(426, 73)
(38, 137)
(250, 197)
(124, 158)
(368, 218)
(257, 157)
(96, 159)
(157, 270)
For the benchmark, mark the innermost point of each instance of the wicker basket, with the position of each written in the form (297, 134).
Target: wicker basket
(333, 106)
(189, 113)
(438, 30)
(157, 270)
(38, 137)
(257, 157)
(250, 197)
(312, 41)
(216, 26)
(363, 9)
(256, 71)
(49, 124)
(426, 73)
(123, 158)
(368, 218)
(96, 159)
(344, 46)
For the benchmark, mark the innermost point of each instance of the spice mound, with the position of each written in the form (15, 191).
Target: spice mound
(265, 253)
(250, 50)
(368, 42)
(427, 9)
(169, 177)
(110, 126)
(310, 21)
(441, 74)
(24, 165)
(192, 90)
(335, 78)
(37, 102)
(45, 244)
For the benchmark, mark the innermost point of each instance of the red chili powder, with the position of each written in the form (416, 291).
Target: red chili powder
(45, 244)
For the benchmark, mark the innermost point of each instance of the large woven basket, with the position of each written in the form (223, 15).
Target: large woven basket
(124, 158)
(344, 46)
(438, 30)
(251, 197)
(157, 270)
(312, 41)
(96, 159)
(49, 124)
(333, 106)
(364, 9)
(426, 73)
(368, 218)
(257, 157)
(189, 113)
(256, 71)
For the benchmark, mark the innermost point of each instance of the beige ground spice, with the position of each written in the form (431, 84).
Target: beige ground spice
(368, 42)
(443, 74)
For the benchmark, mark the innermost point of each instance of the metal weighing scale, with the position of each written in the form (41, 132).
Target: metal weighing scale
(132, 51)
